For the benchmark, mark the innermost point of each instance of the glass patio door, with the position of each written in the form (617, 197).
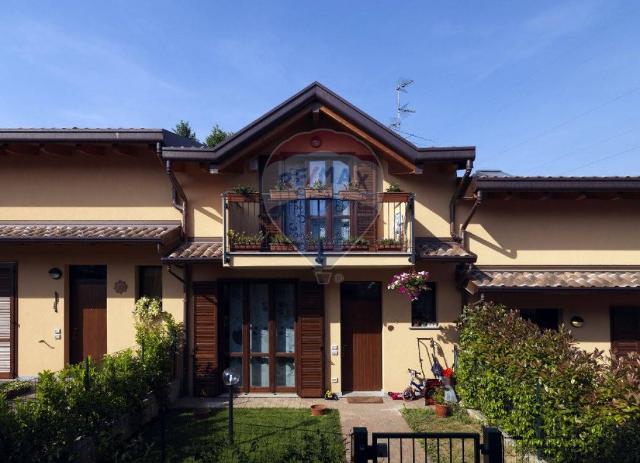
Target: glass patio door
(259, 323)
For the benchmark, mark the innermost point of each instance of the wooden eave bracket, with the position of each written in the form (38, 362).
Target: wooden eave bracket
(410, 167)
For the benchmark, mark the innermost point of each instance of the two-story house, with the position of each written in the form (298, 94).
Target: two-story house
(275, 248)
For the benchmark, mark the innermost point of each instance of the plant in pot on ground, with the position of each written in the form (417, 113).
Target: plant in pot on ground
(353, 191)
(389, 244)
(318, 190)
(242, 194)
(443, 408)
(244, 242)
(283, 191)
(356, 244)
(281, 243)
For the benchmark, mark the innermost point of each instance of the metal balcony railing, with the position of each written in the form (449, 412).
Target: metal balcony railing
(302, 221)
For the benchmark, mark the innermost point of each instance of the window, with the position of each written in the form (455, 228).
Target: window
(150, 281)
(546, 319)
(423, 311)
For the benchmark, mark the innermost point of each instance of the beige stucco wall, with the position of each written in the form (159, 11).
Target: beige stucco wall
(85, 187)
(37, 348)
(556, 232)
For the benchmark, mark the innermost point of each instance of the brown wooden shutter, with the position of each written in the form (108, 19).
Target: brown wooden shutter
(206, 365)
(366, 211)
(310, 343)
(7, 321)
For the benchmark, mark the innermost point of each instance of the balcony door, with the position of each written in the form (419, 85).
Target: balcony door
(259, 322)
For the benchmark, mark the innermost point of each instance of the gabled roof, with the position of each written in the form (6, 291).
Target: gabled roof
(96, 135)
(337, 107)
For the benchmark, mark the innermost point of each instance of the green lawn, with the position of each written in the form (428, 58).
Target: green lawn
(261, 435)
(425, 420)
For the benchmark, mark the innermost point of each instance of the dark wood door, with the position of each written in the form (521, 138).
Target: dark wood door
(88, 305)
(206, 367)
(625, 329)
(361, 334)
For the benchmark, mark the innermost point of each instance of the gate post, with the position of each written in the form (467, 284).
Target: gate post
(492, 445)
(359, 443)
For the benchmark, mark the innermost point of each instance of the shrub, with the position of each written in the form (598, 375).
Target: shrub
(587, 405)
(86, 399)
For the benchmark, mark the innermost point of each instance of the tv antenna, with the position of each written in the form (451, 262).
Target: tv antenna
(401, 109)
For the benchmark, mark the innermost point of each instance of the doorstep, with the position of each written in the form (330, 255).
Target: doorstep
(363, 394)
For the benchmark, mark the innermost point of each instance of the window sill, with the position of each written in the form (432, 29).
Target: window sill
(419, 328)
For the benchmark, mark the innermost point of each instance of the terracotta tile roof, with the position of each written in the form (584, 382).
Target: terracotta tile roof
(195, 251)
(438, 249)
(539, 279)
(88, 231)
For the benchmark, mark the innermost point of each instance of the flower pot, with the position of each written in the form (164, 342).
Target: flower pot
(442, 411)
(389, 247)
(284, 195)
(318, 410)
(314, 247)
(243, 198)
(323, 193)
(395, 197)
(282, 247)
(352, 195)
(245, 247)
(355, 247)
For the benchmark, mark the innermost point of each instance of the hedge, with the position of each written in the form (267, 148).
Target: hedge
(87, 399)
(585, 405)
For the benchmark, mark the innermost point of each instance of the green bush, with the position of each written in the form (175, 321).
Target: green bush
(586, 404)
(86, 399)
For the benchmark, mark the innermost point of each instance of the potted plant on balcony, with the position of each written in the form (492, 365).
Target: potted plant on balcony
(318, 190)
(356, 244)
(352, 192)
(243, 242)
(283, 191)
(389, 244)
(312, 244)
(281, 243)
(242, 194)
(394, 194)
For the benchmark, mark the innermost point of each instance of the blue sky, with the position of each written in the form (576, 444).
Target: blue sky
(545, 87)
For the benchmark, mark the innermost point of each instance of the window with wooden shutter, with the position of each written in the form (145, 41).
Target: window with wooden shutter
(310, 335)
(7, 321)
(206, 368)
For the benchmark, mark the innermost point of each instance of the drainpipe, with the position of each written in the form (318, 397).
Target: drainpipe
(178, 198)
(473, 210)
(462, 186)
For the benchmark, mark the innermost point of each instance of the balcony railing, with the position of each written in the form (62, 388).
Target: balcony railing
(303, 221)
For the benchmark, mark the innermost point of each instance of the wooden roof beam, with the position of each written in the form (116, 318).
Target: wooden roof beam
(408, 166)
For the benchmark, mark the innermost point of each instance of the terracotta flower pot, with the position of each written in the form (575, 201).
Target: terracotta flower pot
(352, 195)
(394, 197)
(318, 410)
(245, 247)
(282, 247)
(285, 195)
(389, 247)
(442, 411)
(324, 193)
(243, 198)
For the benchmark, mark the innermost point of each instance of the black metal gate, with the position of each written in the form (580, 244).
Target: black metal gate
(412, 447)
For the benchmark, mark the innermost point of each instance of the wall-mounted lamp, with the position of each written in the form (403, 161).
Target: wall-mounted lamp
(577, 321)
(55, 273)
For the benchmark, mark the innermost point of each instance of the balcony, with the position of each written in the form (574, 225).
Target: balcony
(346, 227)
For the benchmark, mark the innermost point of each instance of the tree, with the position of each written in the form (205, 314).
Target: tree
(184, 130)
(216, 136)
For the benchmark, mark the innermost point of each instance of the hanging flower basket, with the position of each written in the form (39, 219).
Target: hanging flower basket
(411, 283)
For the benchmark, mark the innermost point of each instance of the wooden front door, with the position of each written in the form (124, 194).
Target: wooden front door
(7, 321)
(88, 320)
(361, 334)
(625, 329)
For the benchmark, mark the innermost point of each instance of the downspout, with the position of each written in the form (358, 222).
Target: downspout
(178, 198)
(460, 189)
(473, 210)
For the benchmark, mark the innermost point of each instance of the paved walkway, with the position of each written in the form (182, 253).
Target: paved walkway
(383, 417)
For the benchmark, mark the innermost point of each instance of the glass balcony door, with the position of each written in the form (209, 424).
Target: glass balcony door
(259, 324)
